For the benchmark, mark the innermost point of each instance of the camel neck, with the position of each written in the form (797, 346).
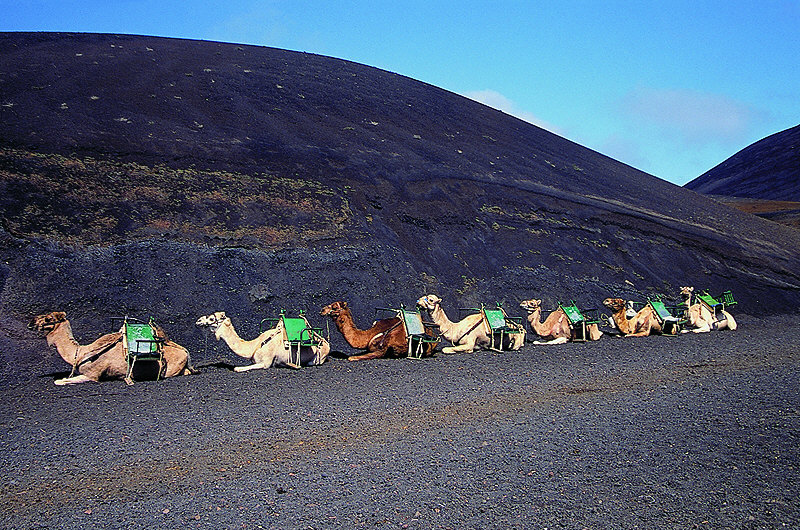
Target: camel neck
(440, 318)
(622, 321)
(356, 338)
(535, 320)
(67, 347)
(239, 346)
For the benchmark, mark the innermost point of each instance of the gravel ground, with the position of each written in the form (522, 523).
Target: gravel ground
(696, 431)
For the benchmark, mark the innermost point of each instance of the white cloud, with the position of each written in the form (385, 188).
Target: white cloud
(695, 116)
(498, 101)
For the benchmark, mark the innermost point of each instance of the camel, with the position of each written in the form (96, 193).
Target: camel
(266, 350)
(700, 318)
(467, 334)
(104, 358)
(643, 324)
(386, 338)
(555, 329)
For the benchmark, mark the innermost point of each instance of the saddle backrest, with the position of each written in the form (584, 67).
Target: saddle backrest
(574, 314)
(661, 310)
(495, 318)
(296, 329)
(727, 299)
(141, 339)
(709, 301)
(413, 322)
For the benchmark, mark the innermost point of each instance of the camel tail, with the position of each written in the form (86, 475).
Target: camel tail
(189, 369)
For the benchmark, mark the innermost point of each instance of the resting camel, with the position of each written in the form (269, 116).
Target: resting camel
(643, 324)
(104, 358)
(386, 338)
(555, 329)
(266, 350)
(700, 318)
(467, 334)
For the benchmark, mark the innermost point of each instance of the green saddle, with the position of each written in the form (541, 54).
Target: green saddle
(661, 310)
(574, 314)
(298, 332)
(141, 339)
(495, 318)
(413, 322)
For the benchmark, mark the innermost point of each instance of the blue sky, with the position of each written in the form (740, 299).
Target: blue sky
(671, 87)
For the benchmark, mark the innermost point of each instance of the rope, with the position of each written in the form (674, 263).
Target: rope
(468, 332)
(75, 361)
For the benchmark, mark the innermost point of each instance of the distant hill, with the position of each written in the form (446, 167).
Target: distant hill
(147, 175)
(768, 169)
(763, 178)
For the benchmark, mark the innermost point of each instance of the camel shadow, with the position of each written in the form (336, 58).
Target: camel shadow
(222, 365)
(54, 375)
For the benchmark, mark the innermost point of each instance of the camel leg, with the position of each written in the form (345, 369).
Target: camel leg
(74, 380)
(466, 347)
(705, 328)
(557, 340)
(287, 364)
(376, 354)
(256, 366)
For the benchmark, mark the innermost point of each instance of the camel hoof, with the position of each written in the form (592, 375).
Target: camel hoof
(128, 381)
(292, 365)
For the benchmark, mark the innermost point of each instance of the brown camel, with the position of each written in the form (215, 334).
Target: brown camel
(555, 329)
(104, 358)
(386, 337)
(644, 323)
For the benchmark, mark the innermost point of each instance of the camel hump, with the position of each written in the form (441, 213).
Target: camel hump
(108, 340)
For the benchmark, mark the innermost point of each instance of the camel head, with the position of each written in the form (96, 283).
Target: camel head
(213, 321)
(615, 304)
(47, 322)
(531, 305)
(429, 302)
(686, 293)
(334, 310)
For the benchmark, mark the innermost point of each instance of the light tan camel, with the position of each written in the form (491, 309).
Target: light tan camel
(644, 323)
(104, 358)
(555, 329)
(386, 338)
(266, 350)
(467, 334)
(700, 318)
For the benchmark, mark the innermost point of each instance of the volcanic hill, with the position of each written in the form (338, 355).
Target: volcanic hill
(165, 177)
(763, 178)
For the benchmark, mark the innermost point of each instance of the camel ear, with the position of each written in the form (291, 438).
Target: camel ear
(344, 305)
(222, 315)
(60, 316)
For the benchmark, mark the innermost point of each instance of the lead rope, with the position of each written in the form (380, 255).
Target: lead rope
(75, 362)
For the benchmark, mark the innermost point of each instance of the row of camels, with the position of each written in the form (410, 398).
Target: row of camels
(105, 358)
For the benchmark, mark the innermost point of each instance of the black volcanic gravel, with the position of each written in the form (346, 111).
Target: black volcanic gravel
(694, 431)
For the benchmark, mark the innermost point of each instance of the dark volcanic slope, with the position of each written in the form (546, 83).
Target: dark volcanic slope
(164, 177)
(767, 169)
